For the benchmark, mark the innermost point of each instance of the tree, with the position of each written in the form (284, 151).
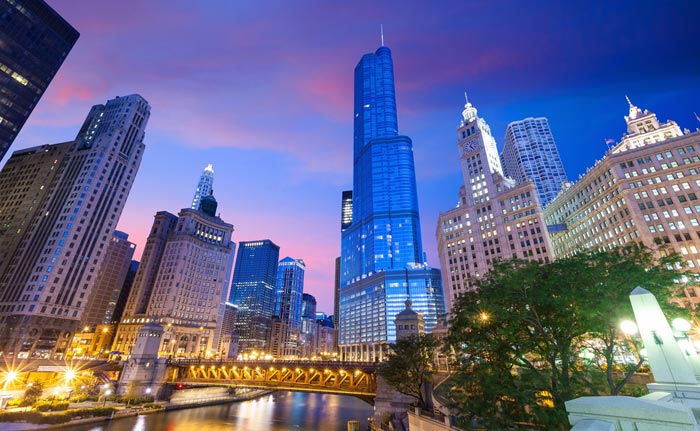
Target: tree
(410, 365)
(520, 337)
(32, 393)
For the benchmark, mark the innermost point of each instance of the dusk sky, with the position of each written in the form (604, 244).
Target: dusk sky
(263, 91)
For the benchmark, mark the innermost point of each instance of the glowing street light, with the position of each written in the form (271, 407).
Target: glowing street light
(10, 376)
(629, 327)
(680, 324)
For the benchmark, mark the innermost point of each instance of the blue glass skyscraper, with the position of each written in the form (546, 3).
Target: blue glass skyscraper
(253, 293)
(381, 249)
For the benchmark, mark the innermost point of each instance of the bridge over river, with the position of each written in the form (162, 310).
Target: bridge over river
(347, 378)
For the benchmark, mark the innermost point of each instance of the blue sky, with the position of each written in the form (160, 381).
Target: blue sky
(263, 91)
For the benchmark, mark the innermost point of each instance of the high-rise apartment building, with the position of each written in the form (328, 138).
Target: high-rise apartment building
(34, 42)
(495, 218)
(182, 283)
(205, 186)
(381, 249)
(288, 300)
(644, 190)
(253, 293)
(71, 196)
(530, 154)
(110, 280)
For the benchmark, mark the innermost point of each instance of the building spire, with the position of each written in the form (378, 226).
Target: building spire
(635, 112)
(381, 32)
(469, 112)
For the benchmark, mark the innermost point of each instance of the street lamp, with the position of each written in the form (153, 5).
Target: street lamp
(10, 377)
(629, 327)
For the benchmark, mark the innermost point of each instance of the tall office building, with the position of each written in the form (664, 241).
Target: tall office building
(307, 344)
(530, 154)
(110, 280)
(381, 249)
(205, 186)
(51, 256)
(182, 283)
(288, 296)
(495, 218)
(34, 42)
(645, 190)
(253, 293)
(126, 290)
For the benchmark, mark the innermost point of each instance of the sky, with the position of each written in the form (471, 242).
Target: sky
(263, 91)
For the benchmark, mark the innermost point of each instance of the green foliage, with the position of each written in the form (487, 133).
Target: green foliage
(151, 406)
(518, 339)
(45, 406)
(33, 393)
(410, 365)
(55, 418)
(134, 400)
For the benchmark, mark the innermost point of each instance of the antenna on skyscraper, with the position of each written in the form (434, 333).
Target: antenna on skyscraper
(628, 101)
(465, 97)
(381, 31)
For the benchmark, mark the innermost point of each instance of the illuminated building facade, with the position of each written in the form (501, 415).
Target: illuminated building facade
(530, 154)
(253, 294)
(182, 283)
(495, 218)
(644, 190)
(205, 186)
(381, 250)
(47, 280)
(34, 42)
(288, 302)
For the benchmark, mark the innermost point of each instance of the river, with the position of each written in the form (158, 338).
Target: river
(275, 412)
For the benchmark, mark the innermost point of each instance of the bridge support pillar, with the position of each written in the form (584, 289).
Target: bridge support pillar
(144, 372)
(389, 402)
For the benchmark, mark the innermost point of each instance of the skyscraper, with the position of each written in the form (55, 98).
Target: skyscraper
(495, 218)
(307, 342)
(253, 293)
(52, 255)
(182, 283)
(288, 295)
(381, 249)
(204, 186)
(34, 42)
(110, 280)
(529, 153)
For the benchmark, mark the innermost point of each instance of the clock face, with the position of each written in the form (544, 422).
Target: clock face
(469, 146)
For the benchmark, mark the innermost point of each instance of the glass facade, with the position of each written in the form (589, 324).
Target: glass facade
(381, 247)
(288, 300)
(253, 292)
(34, 42)
(529, 153)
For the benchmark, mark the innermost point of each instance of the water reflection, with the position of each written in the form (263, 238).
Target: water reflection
(276, 412)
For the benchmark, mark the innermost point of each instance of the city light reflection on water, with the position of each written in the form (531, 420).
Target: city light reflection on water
(276, 412)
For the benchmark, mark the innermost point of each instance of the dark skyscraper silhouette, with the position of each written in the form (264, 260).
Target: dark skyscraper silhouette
(34, 42)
